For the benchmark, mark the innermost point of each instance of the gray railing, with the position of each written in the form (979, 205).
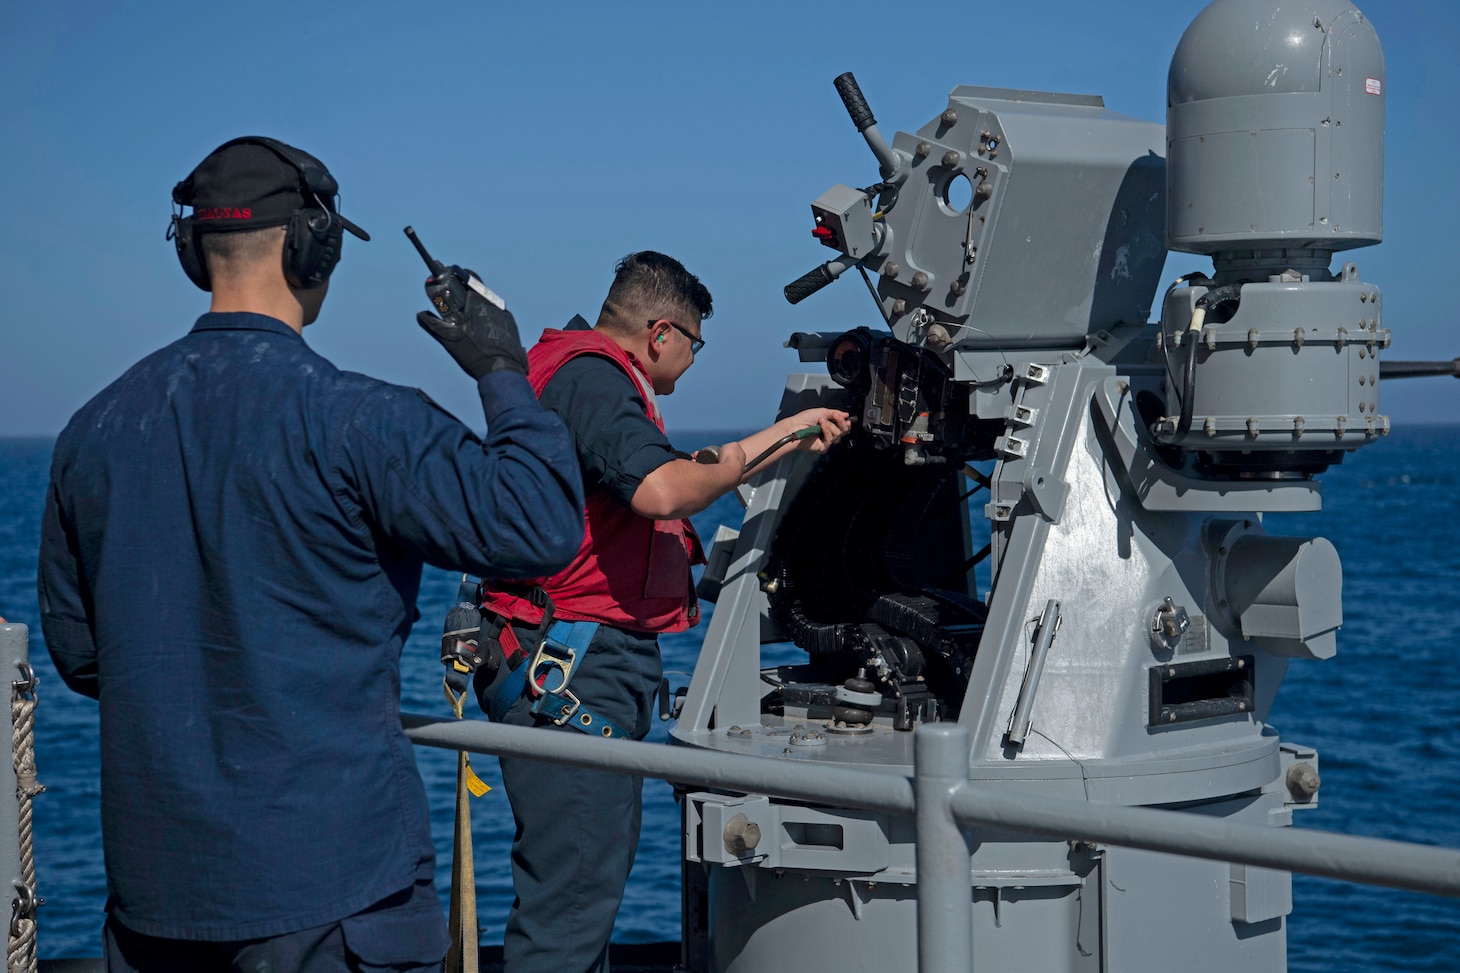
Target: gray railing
(941, 798)
(938, 796)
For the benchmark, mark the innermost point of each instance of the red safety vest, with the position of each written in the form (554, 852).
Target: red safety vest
(631, 571)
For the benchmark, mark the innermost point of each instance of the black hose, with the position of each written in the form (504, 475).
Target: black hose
(711, 454)
(1188, 387)
(1196, 279)
(792, 437)
(1209, 300)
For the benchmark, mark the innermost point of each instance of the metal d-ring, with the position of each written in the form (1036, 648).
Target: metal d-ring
(21, 907)
(26, 684)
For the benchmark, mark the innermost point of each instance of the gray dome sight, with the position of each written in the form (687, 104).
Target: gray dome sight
(1275, 130)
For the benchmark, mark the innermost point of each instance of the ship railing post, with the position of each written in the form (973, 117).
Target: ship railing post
(945, 909)
(17, 863)
(14, 652)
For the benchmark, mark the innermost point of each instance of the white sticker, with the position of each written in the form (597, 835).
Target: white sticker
(1372, 86)
(475, 284)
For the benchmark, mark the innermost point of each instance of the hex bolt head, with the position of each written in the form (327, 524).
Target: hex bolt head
(741, 836)
(1302, 782)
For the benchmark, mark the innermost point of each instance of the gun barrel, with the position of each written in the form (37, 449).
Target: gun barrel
(1416, 369)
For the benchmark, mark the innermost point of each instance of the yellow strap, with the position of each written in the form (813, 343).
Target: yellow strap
(475, 784)
(462, 957)
(454, 699)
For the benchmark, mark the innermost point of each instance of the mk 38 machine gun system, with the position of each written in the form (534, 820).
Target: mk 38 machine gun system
(1048, 525)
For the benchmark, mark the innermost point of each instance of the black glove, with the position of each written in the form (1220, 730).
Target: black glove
(477, 332)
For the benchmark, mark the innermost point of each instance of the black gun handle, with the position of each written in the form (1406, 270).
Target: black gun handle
(857, 107)
(807, 284)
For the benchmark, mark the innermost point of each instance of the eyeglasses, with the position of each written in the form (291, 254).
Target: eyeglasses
(696, 345)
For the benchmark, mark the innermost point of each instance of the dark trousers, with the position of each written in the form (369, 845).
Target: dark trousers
(577, 830)
(404, 933)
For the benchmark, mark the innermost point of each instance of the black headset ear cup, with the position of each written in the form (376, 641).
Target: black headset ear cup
(311, 248)
(190, 252)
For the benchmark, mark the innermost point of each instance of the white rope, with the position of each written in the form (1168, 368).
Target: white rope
(22, 952)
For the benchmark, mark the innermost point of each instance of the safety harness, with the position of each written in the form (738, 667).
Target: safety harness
(547, 674)
(469, 643)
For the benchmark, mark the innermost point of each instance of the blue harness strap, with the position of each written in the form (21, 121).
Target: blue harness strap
(565, 710)
(550, 669)
(510, 688)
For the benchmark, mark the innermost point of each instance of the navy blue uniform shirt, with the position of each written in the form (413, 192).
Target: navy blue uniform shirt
(230, 557)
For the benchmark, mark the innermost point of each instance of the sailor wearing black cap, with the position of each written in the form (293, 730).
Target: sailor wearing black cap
(232, 547)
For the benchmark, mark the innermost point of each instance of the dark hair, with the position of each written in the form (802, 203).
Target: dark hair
(652, 283)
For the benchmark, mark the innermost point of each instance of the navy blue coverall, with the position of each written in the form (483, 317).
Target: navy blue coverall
(232, 548)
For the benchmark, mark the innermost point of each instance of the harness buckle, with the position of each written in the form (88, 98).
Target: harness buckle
(568, 708)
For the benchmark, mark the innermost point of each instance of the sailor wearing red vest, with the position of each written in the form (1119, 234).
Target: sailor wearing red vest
(577, 830)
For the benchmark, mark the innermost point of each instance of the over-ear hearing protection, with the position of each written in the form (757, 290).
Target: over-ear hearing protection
(312, 236)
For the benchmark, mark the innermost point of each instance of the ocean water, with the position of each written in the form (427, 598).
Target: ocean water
(1384, 715)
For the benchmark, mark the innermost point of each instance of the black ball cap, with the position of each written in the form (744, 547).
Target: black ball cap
(254, 182)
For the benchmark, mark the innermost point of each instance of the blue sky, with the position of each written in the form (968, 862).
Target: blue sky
(538, 142)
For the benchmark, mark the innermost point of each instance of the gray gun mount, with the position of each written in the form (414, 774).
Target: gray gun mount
(1276, 161)
(989, 240)
(1048, 523)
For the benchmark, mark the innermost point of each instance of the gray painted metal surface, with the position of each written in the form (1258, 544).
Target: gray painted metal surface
(1128, 465)
(14, 660)
(945, 939)
(1372, 861)
(1275, 128)
(1008, 260)
(1295, 367)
